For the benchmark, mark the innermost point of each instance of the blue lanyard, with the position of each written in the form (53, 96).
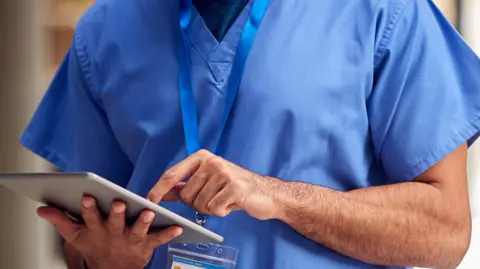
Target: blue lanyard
(187, 98)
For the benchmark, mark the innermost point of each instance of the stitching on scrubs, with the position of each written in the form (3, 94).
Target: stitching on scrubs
(55, 158)
(247, 10)
(84, 64)
(190, 42)
(189, 35)
(207, 57)
(388, 32)
(455, 140)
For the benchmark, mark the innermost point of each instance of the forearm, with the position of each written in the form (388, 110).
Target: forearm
(407, 224)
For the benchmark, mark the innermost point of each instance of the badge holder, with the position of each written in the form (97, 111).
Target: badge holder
(201, 256)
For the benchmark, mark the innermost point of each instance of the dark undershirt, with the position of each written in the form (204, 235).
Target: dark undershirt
(219, 15)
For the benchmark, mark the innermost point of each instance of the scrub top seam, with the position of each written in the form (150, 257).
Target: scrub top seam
(219, 76)
(388, 33)
(189, 35)
(213, 51)
(53, 156)
(455, 140)
(85, 66)
(380, 54)
(193, 43)
(210, 68)
(228, 45)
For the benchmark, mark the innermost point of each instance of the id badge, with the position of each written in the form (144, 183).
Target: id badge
(201, 256)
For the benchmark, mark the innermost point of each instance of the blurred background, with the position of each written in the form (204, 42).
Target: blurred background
(34, 36)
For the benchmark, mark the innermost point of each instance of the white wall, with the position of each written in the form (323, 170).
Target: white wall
(470, 27)
(449, 8)
(26, 242)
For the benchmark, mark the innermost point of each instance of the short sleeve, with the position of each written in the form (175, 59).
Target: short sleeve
(425, 101)
(70, 130)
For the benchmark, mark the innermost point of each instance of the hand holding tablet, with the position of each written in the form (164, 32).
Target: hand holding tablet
(101, 242)
(65, 191)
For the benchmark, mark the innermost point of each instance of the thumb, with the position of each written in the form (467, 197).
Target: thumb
(67, 228)
(160, 238)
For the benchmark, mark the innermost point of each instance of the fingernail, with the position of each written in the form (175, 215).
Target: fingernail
(120, 208)
(88, 202)
(148, 217)
(178, 232)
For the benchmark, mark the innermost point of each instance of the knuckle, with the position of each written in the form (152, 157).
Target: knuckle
(185, 197)
(221, 213)
(114, 229)
(200, 207)
(197, 204)
(169, 175)
(216, 210)
(211, 207)
(203, 153)
(135, 239)
(215, 162)
(223, 201)
(232, 186)
(224, 175)
(154, 195)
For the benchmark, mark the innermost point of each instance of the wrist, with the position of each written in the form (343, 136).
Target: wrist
(278, 194)
(285, 207)
(292, 200)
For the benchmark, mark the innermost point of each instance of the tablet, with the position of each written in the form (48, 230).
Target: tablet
(66, 190)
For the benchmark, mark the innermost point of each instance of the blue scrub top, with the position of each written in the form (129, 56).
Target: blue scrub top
(339, 93)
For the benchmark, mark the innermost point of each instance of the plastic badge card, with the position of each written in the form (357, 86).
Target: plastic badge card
(201, 256)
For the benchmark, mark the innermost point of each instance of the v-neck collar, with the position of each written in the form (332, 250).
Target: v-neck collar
(218, 55)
